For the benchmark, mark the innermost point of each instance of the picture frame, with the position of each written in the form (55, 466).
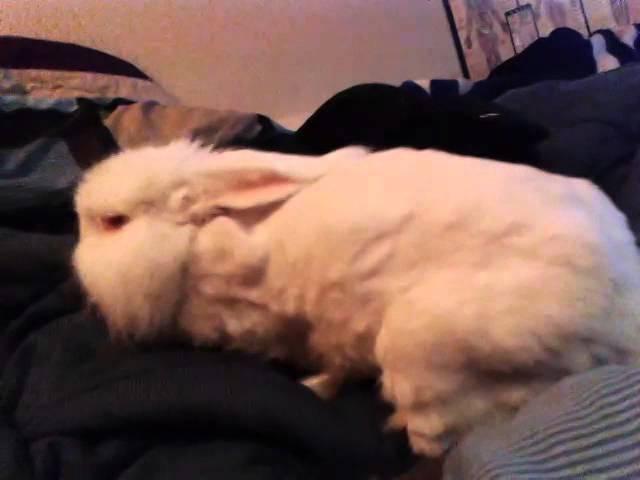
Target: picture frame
(481, 37)
(523, 27)
(488, 32)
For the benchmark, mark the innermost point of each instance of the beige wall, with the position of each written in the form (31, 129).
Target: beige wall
(279, 57)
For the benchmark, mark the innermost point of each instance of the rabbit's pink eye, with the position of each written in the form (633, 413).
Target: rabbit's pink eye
(113, 222)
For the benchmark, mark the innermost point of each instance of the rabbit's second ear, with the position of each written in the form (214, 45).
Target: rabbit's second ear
(245, 180)
(232, 191)
(249, 181)
(254, 188)
(235, 190)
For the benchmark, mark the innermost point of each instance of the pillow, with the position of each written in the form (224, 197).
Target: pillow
(51, 69)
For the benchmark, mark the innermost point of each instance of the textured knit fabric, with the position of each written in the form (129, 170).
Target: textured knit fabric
(587, 427)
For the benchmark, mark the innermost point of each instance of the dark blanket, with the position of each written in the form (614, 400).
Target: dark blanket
(383, 116)
(588, 128)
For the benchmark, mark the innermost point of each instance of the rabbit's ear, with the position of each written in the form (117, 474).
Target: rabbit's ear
(257, 179)
(250, 188)
(241, 181)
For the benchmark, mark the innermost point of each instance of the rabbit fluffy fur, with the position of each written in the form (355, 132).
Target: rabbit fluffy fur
(468, 285)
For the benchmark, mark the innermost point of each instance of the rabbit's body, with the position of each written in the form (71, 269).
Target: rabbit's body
(468, 284)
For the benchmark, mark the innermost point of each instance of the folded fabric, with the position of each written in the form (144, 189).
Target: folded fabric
(564, 55)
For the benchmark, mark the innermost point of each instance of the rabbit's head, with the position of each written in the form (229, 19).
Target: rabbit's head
(141, 210)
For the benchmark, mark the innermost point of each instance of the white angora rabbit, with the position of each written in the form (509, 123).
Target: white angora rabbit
(466, 284)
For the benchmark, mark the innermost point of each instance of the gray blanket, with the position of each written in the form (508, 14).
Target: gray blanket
(595, 131)
(587, 427)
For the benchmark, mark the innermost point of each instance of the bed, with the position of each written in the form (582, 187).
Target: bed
(76, 406)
